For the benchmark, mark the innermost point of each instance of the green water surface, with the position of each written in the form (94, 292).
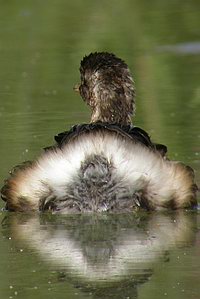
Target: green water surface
(117, 256)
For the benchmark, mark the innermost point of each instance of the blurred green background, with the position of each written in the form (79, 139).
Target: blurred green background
(41, 45)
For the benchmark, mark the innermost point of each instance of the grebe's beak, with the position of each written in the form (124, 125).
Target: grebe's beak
(76, 88)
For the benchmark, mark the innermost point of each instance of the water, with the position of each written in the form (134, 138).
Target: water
(118, 256)
(100, 256)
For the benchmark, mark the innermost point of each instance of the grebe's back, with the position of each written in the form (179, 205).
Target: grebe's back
(100, 167)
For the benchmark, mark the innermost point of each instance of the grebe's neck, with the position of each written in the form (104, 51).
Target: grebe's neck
(119, 114)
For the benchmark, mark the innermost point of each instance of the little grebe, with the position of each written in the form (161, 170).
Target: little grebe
(107, 165)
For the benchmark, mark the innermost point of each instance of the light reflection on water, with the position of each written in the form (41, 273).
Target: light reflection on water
(184, 48)
(100, 253)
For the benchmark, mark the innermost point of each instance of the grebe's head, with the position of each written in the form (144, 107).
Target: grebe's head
(107, 87)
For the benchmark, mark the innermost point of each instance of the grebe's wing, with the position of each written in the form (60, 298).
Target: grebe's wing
(127, 131)
(8, 183)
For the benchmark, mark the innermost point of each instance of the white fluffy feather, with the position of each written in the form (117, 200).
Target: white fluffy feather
(133, 164)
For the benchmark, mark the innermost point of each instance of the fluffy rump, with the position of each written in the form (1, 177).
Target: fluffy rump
(100, 171)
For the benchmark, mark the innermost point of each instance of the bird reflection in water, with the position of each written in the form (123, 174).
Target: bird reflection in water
(108, 255)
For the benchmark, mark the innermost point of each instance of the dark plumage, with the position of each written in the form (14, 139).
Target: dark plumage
(125, 130)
